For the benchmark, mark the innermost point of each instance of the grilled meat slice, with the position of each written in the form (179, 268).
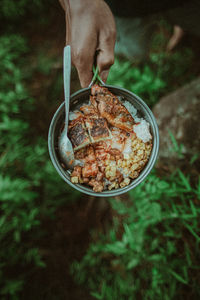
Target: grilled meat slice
(89, 110)
(98, 129)
(86, 154)
(78, 134)
(111, 108)
(96, 125)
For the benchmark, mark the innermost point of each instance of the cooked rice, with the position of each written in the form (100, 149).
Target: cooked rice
(142, 131)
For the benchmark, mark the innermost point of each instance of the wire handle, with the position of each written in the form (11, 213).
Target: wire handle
(96, 77)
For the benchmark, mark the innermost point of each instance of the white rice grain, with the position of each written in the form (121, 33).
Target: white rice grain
(142, 131)
(132, 110)
(73, 115)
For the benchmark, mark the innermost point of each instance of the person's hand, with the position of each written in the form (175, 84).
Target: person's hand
(91, 32)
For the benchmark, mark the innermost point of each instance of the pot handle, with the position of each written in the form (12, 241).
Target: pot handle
(96, 77)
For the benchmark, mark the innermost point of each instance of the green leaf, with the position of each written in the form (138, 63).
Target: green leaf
(185, 181)
(117, 248)
(192, 232)
(132, 263)
(96, 295)
(178, 277)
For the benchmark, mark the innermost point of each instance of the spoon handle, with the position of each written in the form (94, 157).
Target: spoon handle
(67, 76)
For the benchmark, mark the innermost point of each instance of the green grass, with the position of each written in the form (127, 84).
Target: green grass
(150, 250)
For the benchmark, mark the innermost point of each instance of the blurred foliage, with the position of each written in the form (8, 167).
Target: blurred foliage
(151, 249)
(141, 80)
(157, 75)
(13, 10)
(29, 186)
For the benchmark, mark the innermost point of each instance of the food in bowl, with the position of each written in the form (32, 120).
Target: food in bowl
(112, 144)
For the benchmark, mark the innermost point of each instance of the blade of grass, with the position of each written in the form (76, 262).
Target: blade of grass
(178, 277)
(184, 180)
(192, 232)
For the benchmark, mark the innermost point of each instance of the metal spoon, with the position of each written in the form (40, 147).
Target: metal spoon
(64, 143)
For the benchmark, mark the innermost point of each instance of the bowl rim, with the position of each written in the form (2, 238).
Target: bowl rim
(144, 173)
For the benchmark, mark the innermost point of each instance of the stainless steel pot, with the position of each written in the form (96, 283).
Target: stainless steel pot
(76, 100)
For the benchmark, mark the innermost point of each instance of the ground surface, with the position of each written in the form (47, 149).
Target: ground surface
(68, 235)
(66, 239)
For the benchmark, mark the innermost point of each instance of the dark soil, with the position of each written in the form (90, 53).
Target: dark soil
(66, 239)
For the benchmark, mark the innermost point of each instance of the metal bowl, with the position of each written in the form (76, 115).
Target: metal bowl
(76, 100)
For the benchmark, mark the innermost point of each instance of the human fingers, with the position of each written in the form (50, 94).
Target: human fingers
(83, 53)
(105, 60)
(105, 57)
